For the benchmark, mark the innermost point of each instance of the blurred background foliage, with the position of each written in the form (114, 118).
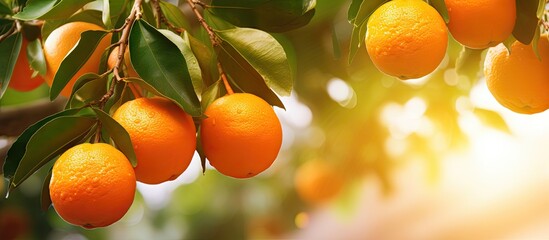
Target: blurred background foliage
(350, 116)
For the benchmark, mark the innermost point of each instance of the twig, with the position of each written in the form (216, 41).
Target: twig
(216, 42)
(161, 18)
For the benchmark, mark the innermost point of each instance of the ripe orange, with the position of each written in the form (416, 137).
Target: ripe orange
(61, 41)
(21, 79)
(241, 135)
(481, 23)
(317, 182)
(406, 38)
(92, 185)
(113, 57)
(519, 80)
(163, 137)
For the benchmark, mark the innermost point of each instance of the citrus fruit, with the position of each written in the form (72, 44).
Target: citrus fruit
(60, 42)
(317, 182)
(519, 80)
(241, 135)
(406, 38)
(113, 57)
(21, 78)
(163, 137)
(481, 23)
(92, 185)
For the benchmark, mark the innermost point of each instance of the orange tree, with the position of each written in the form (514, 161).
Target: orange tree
(196, 56)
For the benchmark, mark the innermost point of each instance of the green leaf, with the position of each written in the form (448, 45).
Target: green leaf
(112, 11)
(45, 199)
(35, 55)
(200, 150)
(205, 57)
(50, 9)
(9, 49)
(118, 134)
(4, 9)
(52, 139)
(353, 10)
(267, 15)
(121, 94)
(75, 59)
(492, 119)
(366, 9)
(174, 15)
(244, 76)
(261, 51)
(535, 42)
(17, 150)
(91, 87)
(212, 93)
(160, 63)
(190, 59)
(527, 21)
(469, 62)
(357, 38)
(541, 8)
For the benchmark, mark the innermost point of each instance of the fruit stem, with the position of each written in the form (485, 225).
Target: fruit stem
(216, 42)
(224, 78)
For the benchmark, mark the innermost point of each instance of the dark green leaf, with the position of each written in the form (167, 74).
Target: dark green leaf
(353, 10)
(527, 21)
(35, 55)
(9, 52)
(267, 15)
(4, 9)
(75, 59)
(45, 199)
(52, 139)
(174, 15)
(261, 51)
(244, 76)
(118, 134)
(17, 150)
(440, 6)
(112, 10)
(492, 119)
(190, 59)
(160, 63)
(200, 150)
(91, 88)
(50, 9)
(72, 102)
(121, 94)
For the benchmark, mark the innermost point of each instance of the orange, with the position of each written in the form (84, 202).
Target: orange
(519, 80)
(481, 23)
(113, 57)
(92, 185)
(60, 42)
(241, 135)
(163, 137)
(21, 79)
(406, 38)
(317, 182)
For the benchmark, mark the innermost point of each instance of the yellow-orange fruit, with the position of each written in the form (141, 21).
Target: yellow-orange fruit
(406, 38)
(519, 80)
(241, 135)
(163, 137)
(92, 185)
(481, 23)
(317, 182)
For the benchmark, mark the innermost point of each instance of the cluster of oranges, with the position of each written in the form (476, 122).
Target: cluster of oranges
(408, 39)
(93, 184)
